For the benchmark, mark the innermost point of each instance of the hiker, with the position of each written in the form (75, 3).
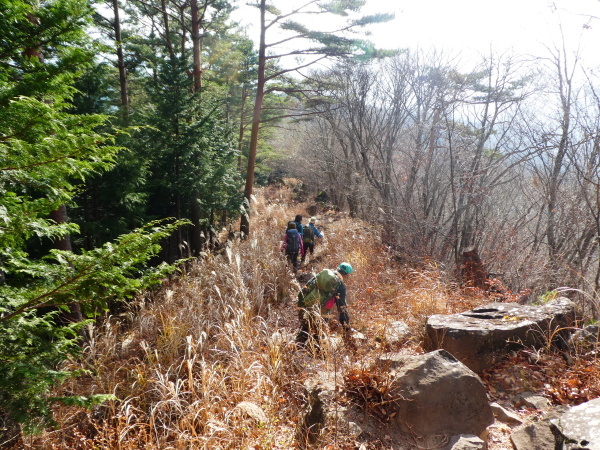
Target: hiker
(310, 235)
(324, 290)
(292, 244)
(299, 226)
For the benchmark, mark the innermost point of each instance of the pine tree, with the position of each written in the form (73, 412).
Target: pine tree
(45, 154)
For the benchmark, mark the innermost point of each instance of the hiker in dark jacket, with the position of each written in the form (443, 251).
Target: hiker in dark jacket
(292, 244)
(315, 300)
(310, 235)
(299, 226)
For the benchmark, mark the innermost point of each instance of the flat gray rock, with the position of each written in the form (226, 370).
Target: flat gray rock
(465, 442)
(478, 337)
(532, 400)
(536, 436)
(397, 332)
(504, 415)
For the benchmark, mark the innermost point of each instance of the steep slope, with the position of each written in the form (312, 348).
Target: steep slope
(209, 360)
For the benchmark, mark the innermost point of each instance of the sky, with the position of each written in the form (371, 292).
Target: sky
(524, 26)
(471, 27)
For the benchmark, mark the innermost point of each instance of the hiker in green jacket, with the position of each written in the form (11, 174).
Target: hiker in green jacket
(324, 290)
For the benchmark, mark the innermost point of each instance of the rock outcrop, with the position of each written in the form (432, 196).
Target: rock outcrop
(579, 427)
(478, 337)
(564, 428)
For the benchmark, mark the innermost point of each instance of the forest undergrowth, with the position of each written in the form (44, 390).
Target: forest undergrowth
(208, 361)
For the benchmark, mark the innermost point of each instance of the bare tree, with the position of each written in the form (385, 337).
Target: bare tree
(432, 147)
(482, 146)
(555, 132)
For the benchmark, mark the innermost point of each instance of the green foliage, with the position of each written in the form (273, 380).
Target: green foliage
(42, 48)
(340, 7)
(113, 202)
(96, 93)
(547, 297)
(115, 271)
(192, 148)
(31, 348)
(46, 153)
(338, 44)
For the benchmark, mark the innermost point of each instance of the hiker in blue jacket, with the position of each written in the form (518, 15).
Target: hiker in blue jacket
(299, 226)
(310, 235)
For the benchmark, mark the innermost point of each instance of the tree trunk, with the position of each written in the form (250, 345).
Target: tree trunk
(260, 88)
(197, 70)
(121, 63)
(196, 233)
(241, 129)
(167, 30)
(197, 240)
(60, 216)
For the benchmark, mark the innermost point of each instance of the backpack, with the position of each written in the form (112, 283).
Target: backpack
(309, 235)
(292, 241)
(328, 281)
(319, 289)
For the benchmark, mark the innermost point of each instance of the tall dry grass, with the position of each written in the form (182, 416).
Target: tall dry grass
(184, 358)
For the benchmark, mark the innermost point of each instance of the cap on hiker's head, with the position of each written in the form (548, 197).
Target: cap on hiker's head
(345, 268)
(312, 220)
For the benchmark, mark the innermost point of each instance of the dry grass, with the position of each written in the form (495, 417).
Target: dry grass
(183, 359)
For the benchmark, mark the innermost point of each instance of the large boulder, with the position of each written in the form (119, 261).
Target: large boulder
(479, 336)
(438, 395)
(429, 400)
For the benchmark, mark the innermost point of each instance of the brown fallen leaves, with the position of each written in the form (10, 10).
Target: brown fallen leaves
(548, 374)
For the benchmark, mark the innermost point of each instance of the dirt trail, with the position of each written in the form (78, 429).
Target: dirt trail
(381, 291)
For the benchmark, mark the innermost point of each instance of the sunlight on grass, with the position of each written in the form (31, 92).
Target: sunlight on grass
(185, 358)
